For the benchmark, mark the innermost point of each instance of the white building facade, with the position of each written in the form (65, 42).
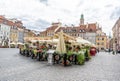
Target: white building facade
(4, 34)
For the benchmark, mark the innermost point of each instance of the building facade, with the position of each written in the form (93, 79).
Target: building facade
(20, 35)
(116, 35)
(5, 27)
(86, 31)
(50, 31)
(14, 34)
(12, 31)
(101, 40)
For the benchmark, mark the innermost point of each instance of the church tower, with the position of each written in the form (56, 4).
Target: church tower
(82, 19)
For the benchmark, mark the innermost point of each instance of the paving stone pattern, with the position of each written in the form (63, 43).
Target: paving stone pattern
(15, 67)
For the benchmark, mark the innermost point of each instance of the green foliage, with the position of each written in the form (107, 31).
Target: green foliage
(26, 46)
(87, 54)
(69, 52)
(12, 46)
(87, 47)
(67, 47)
(35, 51)
(81, 59)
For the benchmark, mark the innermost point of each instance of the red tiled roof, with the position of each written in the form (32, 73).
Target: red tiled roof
(77, 28)
(7, 22)
(10, 23)
(43, 32)
(52, 28)
(92, 27)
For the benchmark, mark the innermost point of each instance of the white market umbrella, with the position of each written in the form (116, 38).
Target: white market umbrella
(61, 48)
(33, 40)
(55, 40)
(20, 43)
(13, 43)
(82, 41)
(93, 45)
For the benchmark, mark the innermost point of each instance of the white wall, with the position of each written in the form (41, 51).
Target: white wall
(4, 31)
(91, 37)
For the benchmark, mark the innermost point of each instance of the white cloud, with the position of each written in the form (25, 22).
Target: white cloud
(67, 11)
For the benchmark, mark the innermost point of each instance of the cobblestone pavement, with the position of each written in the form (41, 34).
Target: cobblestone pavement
(15, 67)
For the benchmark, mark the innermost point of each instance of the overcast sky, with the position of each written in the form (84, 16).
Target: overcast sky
(39, 14)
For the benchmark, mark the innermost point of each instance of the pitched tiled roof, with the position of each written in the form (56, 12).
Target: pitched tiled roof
(51, 28)
(91, 27)
(43, 32)
(76, 29)
(7, 22)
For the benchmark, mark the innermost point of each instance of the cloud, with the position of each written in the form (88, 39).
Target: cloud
(39, 14)
(39, 24)
(44, 2)
(116, 13)
(109, 5)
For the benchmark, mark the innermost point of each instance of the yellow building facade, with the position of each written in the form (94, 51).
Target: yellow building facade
(14, 35)
(101, 40)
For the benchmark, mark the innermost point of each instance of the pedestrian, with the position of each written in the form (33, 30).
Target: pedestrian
(116, 51)
(98, 50)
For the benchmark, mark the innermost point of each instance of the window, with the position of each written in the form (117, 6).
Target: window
(102, 38)
(98, 39)
(74, 30)
(102, 43)
(64, 30)
(97, 43)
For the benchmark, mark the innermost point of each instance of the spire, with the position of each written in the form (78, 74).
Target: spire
(82, 16)
(82, 19)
